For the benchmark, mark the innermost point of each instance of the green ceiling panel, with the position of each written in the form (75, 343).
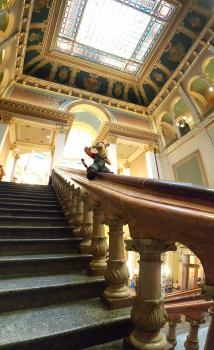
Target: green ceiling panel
(209, 4)
(32, 66)
(35, 36)
(43, 72)
(91, 82)
(132, 96)
(149, 91)
(178, 47)
(30, 55)
(158, 76)
(63, 75)
(194, 21)
(40, 11)
(199, 85)
(118, 90)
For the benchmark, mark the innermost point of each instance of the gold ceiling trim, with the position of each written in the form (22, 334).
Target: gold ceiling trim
(11, 108)
(34, 82)
(116, 129)
(202, 42)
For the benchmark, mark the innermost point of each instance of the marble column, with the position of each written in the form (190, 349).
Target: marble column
(151, 163)
(175, 126)
(14, 167)
(117, 272)
(112, 153)
(59, 145)
(148, 314)
(99, 246)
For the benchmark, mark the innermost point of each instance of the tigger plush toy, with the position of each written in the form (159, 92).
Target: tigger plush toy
(99, 157)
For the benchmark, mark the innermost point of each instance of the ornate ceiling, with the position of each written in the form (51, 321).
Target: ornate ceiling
(59, 51)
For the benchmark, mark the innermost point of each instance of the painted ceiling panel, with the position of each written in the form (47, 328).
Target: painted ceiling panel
(107, 84)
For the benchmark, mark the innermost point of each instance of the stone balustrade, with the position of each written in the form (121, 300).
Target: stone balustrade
(158, 214)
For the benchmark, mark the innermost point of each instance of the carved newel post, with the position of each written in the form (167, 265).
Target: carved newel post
(99, 245)
(86, 226)
(148, 314)
(117, 272)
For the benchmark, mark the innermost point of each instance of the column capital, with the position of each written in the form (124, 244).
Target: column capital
(63, 129)
(149, 249)
(112, 139)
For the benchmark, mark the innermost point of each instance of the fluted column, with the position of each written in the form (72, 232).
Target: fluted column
(148, 314)
(99, 246)
(117, 272)
(86, 226)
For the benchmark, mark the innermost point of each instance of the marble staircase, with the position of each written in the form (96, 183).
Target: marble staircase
(47, 300)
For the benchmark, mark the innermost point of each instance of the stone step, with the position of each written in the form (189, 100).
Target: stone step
(30, 212)
(37, 205)
(33, 200)
(42, 264)
(32, 292)
(58, 231)
(74, 325)
(49, 190)
(23, 196)
(39, 246)
(31, 221)
(24, 186)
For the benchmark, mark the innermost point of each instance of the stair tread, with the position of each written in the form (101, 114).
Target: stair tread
(30, 210)
(52, 320)
(40, 240)
(43, 257)
(39, 282)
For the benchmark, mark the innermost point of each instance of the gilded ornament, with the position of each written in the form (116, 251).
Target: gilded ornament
(176, 52)
(91, 83)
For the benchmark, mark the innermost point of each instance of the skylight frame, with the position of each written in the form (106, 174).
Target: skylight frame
(68, 34)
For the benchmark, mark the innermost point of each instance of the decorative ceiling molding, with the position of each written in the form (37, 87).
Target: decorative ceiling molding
(119, 89)
(13, 108)
(81, 94)
(115, 129)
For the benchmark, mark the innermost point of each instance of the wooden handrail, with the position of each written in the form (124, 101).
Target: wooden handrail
(159, 209)
(179, 296)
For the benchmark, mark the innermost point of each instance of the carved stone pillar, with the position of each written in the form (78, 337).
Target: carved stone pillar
(99, 246)
(77, 219)
(148, 314)
(117, 272)
(192, 341)
(86, 226)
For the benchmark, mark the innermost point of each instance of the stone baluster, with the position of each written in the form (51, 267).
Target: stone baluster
(117, 272)
(99, 245)
(86, 226)
(172, 323)
(148, 313)
(78, 212)
(192, 341)
(69, 202)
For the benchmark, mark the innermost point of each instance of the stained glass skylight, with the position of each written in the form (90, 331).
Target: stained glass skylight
(116, 33)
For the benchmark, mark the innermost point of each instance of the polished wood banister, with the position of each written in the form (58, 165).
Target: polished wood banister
(158, 215)
(183, 295)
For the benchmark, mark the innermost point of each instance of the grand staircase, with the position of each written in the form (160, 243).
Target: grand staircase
(47, 301)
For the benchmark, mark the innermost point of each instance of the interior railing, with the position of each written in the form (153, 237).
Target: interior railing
(158, 213)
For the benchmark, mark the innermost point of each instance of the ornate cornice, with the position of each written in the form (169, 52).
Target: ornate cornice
(115, 129)
(81, 94)
(10, 108)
